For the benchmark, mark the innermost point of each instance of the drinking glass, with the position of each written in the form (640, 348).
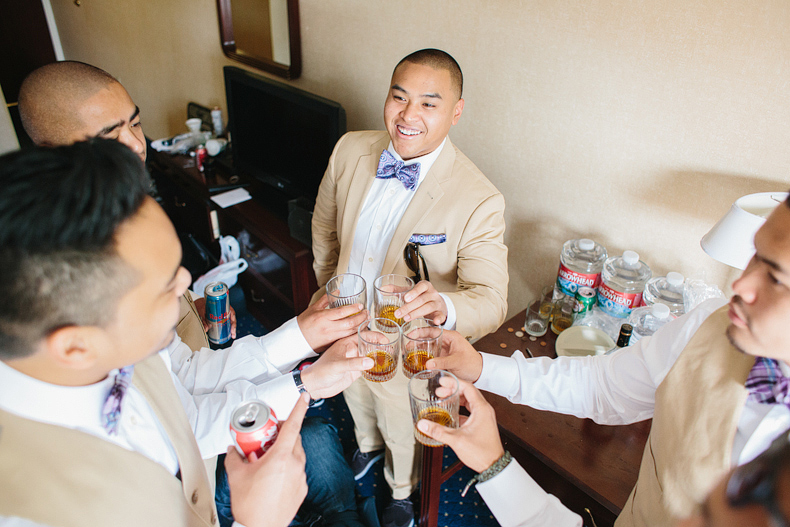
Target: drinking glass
(345, 290)
(536, 324)
(434, 395)
(381, 342)
(562, 318)
(389, 291)
(547, 301)
(422, 340)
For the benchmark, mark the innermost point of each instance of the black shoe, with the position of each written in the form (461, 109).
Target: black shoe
(399, 513)
(361, 462)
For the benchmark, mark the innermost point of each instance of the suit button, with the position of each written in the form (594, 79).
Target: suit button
(194, 497)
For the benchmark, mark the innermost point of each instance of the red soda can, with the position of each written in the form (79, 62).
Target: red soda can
(201, 156)
(254, 428)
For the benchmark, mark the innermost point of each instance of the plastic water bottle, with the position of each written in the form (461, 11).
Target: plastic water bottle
(646, 320)
(666, 290)
(581, 262)
(623, 280)
(596, 318)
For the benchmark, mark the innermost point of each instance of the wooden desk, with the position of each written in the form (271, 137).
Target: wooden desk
(273, 295)
(580, 462)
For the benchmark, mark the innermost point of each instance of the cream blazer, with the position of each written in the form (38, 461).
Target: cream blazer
(454, 198)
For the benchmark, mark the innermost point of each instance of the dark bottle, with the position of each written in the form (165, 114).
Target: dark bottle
(625, 335)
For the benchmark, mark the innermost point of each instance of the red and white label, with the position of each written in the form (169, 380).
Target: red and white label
(570, 281)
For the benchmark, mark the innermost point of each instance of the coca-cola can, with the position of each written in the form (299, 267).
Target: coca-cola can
(201, 156)
(254, 427)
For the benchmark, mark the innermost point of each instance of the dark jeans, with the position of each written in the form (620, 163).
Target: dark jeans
(330, 482)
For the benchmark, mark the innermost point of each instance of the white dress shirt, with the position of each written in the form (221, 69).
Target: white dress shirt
(379, 217)
(252, 368)
(620, 388)
(516, 500)
(212, 383)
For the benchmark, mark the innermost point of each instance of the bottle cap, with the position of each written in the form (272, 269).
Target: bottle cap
(586, 244)
(660, 311)
(674, 279)
(631, 258)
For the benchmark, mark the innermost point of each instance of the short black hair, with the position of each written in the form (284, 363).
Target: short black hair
(59, 211)
(50, 96)
(438, 60)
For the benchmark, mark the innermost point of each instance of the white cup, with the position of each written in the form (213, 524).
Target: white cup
(194, 124)
(215, 146)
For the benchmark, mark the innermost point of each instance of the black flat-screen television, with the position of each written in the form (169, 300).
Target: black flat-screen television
(281, 136)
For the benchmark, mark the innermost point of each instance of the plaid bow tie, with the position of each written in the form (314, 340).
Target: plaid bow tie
(767, 384)
(111, 411)
(390, 167)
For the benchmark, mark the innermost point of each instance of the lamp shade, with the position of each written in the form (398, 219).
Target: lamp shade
(731, 240)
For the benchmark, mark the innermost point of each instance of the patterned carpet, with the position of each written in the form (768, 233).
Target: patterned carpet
(454, 511)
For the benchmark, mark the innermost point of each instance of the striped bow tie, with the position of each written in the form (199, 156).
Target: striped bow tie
(390, 167)
(767, 384)
(111, 411)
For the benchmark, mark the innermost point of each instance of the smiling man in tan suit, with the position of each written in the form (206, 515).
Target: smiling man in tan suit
(364, 217)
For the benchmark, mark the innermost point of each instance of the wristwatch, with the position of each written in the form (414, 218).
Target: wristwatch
(297, 375)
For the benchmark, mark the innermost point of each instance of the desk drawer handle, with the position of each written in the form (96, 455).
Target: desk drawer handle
(588, 511)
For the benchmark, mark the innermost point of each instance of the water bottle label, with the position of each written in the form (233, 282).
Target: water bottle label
(570, 281)
(615, 303)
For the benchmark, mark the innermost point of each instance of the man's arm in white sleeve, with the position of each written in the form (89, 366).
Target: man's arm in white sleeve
(517, 501)
(255, 359)
(611, 389)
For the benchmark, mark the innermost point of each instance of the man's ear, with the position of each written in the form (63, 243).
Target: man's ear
(457, 110)
(74, 347)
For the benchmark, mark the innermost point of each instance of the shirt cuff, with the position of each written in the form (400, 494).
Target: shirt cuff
(451, 320)
(280, 394)
(286, 337)
(499, 374)
(515, 499)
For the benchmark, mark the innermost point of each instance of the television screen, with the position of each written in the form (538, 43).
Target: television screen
(281, 135)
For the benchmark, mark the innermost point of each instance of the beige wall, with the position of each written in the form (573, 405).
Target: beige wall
(634, 123)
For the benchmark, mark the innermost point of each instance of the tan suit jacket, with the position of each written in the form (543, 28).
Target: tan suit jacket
(62, 477)
(190, 326)
(454, 198)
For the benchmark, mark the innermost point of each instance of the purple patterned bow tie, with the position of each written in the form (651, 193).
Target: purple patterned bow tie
(111, 411)
(390, 167)
(767, 384)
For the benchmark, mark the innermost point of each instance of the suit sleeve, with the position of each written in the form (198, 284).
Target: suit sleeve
(326, 246)
(480, 299)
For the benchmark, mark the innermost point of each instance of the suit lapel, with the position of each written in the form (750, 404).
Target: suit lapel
(425, 199)
(358, 188)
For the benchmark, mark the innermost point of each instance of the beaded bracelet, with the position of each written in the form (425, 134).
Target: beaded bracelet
(497, 467)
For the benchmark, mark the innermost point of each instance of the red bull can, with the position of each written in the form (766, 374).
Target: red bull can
(218, 313)
(254, 428)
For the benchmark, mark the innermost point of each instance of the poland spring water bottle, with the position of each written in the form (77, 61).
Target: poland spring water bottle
(646, 320)
(666, 290)
(581, 262)
(622, 281)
